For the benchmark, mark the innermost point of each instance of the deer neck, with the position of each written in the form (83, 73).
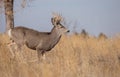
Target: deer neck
(55, 36)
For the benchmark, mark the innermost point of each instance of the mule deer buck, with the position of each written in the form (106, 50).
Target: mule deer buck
(39, 41)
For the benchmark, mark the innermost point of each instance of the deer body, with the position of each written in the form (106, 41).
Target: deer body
(34, 39)
(40, 41)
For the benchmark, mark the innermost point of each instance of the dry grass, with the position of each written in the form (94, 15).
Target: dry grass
(74, 56)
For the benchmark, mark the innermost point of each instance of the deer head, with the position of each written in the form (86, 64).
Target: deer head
(56, 21)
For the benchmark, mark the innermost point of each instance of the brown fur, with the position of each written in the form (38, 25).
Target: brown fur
(40, 41)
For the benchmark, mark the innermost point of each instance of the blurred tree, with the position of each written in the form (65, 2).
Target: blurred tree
(102, 36)
(84, 34)
(75, 26)
(9, 12)
(8, 5)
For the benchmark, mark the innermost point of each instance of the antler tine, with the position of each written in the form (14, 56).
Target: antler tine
(54, 15)
(57, 17)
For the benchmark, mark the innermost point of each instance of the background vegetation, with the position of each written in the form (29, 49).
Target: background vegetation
(74, 56)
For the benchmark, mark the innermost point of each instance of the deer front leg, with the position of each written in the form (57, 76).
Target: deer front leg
(43, 55)
(10, 46)
(40, 54)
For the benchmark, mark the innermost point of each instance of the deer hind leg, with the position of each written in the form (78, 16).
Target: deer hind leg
(11, 45)
(20, 53)
(19, 47)
(14, 47)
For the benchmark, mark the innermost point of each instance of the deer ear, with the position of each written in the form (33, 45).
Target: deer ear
(56, 19)
(53, 21)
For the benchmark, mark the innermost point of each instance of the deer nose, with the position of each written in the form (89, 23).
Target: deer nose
(68, 31)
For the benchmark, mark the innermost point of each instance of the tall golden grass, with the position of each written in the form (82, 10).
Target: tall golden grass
(73, 56)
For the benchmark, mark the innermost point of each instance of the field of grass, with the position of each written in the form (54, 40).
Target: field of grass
(73, 56)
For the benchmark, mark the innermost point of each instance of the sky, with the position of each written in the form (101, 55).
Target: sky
(95, 16)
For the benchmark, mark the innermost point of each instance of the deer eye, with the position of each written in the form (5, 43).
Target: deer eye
(57, 23)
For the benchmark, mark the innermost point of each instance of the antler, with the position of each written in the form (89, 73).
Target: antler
(56, 19)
